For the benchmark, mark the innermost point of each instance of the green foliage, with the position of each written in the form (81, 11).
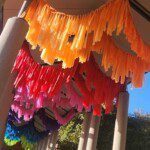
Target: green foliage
(26, 145)
(69, 134)
(138, 133)
(10, 142)
(105, 138)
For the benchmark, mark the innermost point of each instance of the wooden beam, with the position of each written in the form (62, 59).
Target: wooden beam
(140, 9)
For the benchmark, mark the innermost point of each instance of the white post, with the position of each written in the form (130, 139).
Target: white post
(11, 40)
(93, 133)
(39, 145)
(84, 132)
(44, 143)
(1, 19)
(119, 141)
(49, 141)
(5, 100)
(25, 4)
(54, 140)
(97, 124)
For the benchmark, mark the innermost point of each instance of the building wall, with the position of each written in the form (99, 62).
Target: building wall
(11, 9)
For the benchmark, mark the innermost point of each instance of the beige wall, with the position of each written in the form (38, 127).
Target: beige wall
(11, 8)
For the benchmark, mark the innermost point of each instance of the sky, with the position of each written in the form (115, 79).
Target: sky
(140, 98)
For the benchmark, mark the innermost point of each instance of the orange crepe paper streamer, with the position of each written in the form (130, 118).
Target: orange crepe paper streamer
(123, 64)
(51, 29)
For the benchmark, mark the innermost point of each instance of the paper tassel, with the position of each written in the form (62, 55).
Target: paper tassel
(51, 30)
(91, 91)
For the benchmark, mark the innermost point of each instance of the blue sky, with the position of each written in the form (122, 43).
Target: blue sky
(140, 98)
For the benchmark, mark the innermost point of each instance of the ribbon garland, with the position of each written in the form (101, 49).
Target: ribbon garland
(48, 123)
(51, 29)
(56, 28)
(97, 88)
(40, 87)
(17, 131)
(14, 133)
(123, 64)
(13, 117)
(25, 106)
(84, 86)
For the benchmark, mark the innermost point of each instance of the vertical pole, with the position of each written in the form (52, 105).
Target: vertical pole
(39, 145)
(84, 132)
(44, 143)
(49, 141)
(24, 6)
(11, 41)
(1, 19)
(93, 133)
(54, 140)
(97, 124)
(119, 141)
(2, 3)
(6, 97)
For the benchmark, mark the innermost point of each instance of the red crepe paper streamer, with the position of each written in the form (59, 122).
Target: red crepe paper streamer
(83, 85)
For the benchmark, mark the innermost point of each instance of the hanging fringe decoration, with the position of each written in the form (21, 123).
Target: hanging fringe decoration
(12, 135)
(27, 133)
(123, 64)
(51, 30)
(37, 88)
(55, 30)
(25, 106)
(14, 132)
(37, 77)
(100, 88)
